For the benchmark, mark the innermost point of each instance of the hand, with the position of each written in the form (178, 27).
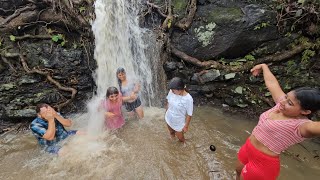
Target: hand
(133, 96)
(48, 115)
(256, 70)
(54, 112)
(185, 129)
(136, 88)
(109, 115)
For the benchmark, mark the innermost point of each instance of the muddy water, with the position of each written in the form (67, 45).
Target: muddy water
(142, 150)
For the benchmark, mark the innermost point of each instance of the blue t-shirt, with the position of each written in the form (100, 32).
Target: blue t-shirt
(39, 127)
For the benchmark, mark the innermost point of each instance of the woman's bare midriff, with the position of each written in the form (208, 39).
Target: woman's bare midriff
(258, 145)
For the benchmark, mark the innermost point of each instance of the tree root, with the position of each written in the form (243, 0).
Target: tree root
(245, 67)
(28, 36)
(195, 61)
(9, 64)
(153, 6)
(17, 13)
(47, 75)
(167, 22)
(185, 22)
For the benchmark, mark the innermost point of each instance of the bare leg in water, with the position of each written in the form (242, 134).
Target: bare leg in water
(239, 167)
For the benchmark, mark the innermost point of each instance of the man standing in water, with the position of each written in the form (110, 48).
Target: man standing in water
(49, 129)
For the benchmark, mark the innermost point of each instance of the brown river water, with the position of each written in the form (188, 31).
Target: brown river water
(142, 150)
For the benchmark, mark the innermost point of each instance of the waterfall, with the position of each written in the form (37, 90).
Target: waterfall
(119, 42)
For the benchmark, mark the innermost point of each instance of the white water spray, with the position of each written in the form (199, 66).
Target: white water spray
(118, 40)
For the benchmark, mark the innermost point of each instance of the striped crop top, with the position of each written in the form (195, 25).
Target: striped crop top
(278, 135)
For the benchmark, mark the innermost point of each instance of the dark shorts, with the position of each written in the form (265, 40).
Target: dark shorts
(131, 106)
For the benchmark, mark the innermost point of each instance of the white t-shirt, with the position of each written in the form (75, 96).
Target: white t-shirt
(179, 107)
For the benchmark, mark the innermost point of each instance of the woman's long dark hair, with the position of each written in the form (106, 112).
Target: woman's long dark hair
(120, 70)
(309, 98)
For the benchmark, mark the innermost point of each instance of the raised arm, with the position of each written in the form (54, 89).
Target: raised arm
(310, 129)
(270, 81)
(51, 131)
(136, 88)
(62, 120)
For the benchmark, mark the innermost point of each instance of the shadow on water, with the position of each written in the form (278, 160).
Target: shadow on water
(142, 150)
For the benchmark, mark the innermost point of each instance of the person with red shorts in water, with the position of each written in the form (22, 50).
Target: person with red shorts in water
(280, 127)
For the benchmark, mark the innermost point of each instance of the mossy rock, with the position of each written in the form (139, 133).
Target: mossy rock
(222, 15)
(7, 86)
(179, 7)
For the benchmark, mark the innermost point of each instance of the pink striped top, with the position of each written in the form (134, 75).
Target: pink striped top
(278, 135)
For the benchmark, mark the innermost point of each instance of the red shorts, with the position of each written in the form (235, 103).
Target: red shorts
(257, 165)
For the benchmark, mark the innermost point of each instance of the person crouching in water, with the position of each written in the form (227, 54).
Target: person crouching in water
(179, 109)
(112, 106)
(49, 129)
(278, 128)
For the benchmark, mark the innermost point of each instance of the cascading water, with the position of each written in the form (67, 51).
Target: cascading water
(118, 43)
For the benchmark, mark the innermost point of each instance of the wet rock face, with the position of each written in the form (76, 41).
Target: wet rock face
(227, 31)
(21, 92)
(10, 5)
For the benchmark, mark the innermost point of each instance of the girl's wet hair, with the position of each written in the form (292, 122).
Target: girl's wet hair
(177, 83)
(112, 90)
(120, 70)
(309, 98)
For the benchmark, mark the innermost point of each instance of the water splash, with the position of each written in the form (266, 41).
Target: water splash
(119, 43)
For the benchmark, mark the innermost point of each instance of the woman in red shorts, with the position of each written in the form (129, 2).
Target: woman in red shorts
(278, 128)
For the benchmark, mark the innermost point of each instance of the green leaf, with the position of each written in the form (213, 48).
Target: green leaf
(264, 24)
(63, 43)
(169, 23)
(55, 38)
(12, 38)
(60, 36)
(250, 57)
(81, 9)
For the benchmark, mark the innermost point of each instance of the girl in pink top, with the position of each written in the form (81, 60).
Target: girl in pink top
(280, 127)
(112, 106)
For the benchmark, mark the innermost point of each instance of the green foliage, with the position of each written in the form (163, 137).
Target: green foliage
(74, 45)
(250, 57)
(12, 38)
(236, 63)
(222, 61)
(82, 9)
(307, 54)
(59, 38)
(298, 16)
(169, 23)
(262, 25)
